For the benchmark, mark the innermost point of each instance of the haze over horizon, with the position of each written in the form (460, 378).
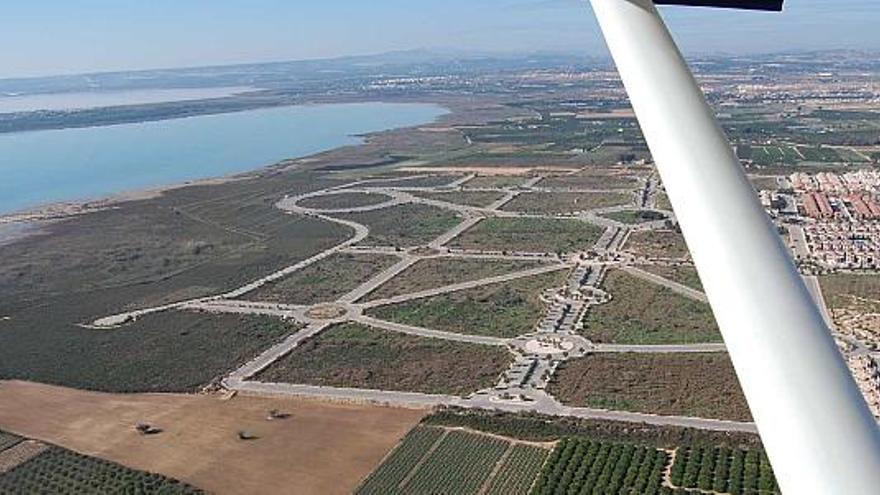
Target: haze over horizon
(120, 35)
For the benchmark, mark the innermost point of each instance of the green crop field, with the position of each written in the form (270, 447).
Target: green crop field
(432, 460)
(590, 466)
(353, 355)
(529, 235)
(404, 225)
(325, 280)
(8, 440)
(660, 317)
(506, 309)
(723, 470)
(62, 471)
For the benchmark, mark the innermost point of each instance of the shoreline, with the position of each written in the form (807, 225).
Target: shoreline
(35, 216)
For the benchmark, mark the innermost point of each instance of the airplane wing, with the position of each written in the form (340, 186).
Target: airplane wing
(816, 427)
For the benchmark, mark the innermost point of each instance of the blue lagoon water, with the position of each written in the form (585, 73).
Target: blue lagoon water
(71, 164)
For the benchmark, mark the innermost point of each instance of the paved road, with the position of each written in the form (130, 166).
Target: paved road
(812, 283)
(665, 282)
(372, 284)
(269, 356)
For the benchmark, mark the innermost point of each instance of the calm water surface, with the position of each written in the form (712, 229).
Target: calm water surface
(61, 165)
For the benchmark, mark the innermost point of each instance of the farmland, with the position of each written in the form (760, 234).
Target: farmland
(529, 234)
(657, 244)
(62, 471)
(353, 355)
(505, 309)
(8, 440)
(438, 460)
(723, 470)
(325, 280)
(602, 467)
(700, 385)
(404, 225)
(566, 202)
(662, 317)
(438, 272)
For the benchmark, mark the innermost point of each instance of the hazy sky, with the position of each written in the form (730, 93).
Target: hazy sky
(62, 36)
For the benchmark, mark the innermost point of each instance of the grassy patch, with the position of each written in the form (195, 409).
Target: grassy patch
(438, 272)
(325, 280)
(506, 309)
(467, 198)
(644, 313)
(404, 225)
(566, 202)
(352, 355)
(700, 385)
(657, 244)
(591, 180)
(529, 235)
(343, 200)
(417, 181)
(843, 290)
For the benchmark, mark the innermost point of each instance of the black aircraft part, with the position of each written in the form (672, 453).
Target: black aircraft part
(775, 5)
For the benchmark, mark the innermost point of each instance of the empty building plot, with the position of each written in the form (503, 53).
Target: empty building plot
(531, 235)
(438, 272)
(556, 203)
(506, 309)
(641, 312)
(325, 280)
(404, 225)
(657, 244)
(358, 356)
(676, 384)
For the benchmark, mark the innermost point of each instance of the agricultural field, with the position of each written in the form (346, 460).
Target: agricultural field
(661, 317)
(684, 274)
(819, 154)
(434, 460)
(495, 181)
(465, 197)
(438, 272)
(593, 179)
(325, 280)
(343, 200)
(723, 470)
(578, 464)
(173, 351)
(686, 384)
(769, 155)
(62, 471)
(353, 355)
(404, 225)
(506, 309)
(634, 217)
(657, 244)
(529, 235)
(565, 202)
(8, 440)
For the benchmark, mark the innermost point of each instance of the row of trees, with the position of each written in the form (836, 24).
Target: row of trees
(721, 469)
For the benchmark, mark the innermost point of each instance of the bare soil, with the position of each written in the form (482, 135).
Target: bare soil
(322, 448)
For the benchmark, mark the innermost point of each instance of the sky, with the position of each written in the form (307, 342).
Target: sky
(43, 37)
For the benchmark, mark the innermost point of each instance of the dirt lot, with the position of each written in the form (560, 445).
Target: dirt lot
(322, 448)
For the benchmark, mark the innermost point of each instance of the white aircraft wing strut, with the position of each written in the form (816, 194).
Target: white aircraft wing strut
(816, 427)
